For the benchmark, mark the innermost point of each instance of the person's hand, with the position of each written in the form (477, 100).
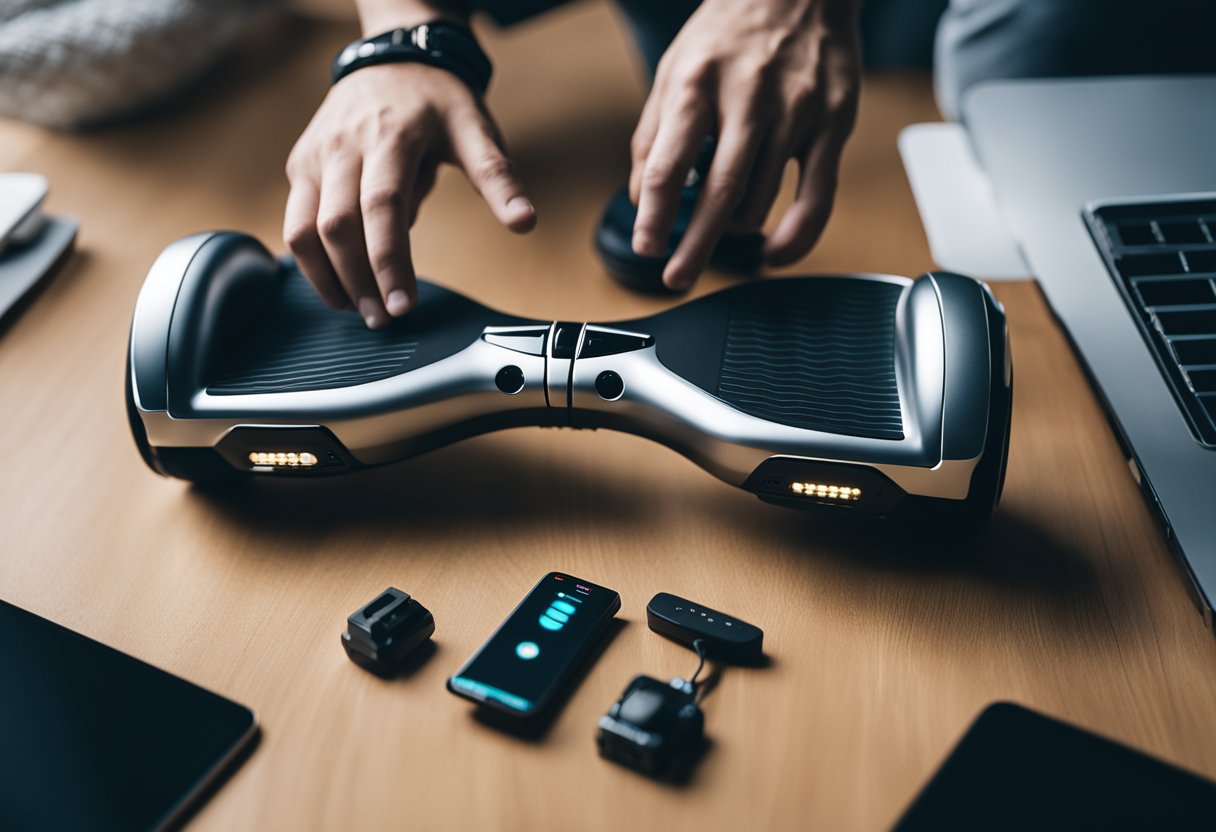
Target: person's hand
(363, 165)
(773, 80)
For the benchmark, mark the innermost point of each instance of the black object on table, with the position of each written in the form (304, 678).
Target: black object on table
(380, 635)
(1016, 769)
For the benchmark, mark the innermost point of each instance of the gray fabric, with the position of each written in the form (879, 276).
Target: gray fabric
(898, 34)
(69, 63)
(981, 40)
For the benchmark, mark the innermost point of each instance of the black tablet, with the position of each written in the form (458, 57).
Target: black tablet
(91, 738)
(1017, 770)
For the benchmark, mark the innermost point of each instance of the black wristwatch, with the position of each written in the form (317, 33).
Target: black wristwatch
(438, 43)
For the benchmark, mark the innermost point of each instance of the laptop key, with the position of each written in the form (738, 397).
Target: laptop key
(1201, 259)
(1190, 322)
(1178, 233)
(1137, 265)
(1175, 292)
(1137, 234)
(1202, 381)
(1194, 350)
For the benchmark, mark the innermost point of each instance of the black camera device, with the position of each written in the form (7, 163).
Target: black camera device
(653, 727)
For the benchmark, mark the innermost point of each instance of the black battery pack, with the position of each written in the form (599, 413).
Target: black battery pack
(381, 634)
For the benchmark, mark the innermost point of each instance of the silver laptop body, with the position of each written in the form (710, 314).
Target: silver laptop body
(1057, 151)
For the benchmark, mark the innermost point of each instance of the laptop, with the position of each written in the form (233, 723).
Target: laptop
(1109, 187)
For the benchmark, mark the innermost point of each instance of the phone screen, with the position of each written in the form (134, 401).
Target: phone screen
(538, 646)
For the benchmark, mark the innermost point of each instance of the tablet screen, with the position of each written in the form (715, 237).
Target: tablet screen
(91, 738)
(1016, 769)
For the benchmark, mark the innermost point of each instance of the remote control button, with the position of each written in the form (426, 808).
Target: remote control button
(609, 385)
(510, 379)
(527, 650)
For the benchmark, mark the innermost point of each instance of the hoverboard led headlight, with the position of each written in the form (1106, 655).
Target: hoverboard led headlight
(869, 394)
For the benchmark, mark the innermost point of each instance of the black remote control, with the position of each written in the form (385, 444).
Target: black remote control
(723, 636)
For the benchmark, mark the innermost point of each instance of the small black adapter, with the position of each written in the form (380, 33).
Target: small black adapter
(723, 637)
(381, 634)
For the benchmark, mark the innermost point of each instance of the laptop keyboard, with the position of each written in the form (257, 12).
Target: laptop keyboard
(1163, 257)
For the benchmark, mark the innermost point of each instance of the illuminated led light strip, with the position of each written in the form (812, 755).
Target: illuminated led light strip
(844, 493)
(283, 460)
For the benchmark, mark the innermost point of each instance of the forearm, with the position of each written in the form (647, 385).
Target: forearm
(379, 16)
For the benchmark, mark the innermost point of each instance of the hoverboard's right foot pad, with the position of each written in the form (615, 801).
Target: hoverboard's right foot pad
(815, 353)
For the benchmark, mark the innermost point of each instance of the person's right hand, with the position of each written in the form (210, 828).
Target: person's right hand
(363, 165)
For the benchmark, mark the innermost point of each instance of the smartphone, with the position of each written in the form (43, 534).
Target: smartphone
(535, 652)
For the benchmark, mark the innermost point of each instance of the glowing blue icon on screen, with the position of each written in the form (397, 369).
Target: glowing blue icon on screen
(527, 650)
(559, 612)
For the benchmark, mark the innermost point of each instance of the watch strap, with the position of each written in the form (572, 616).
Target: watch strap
(440, 44)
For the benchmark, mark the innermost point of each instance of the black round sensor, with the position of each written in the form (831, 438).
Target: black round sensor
(609, 385)
(510, 379)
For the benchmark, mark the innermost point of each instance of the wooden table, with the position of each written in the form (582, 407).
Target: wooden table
(1071, 604)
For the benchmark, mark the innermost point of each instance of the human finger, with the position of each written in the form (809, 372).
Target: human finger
(385, 188)
(302, 239)
(730, 170)
(340, 223)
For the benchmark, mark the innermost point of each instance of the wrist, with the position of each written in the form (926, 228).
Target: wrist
(440, 43)
(377, 16)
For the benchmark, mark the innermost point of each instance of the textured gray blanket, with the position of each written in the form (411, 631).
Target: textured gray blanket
(71, 63)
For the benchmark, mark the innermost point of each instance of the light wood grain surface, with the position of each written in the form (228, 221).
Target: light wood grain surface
(1071, 604)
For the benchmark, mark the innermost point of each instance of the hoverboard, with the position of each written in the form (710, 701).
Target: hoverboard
(870, 394)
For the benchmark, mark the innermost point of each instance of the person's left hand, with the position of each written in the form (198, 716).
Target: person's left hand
(773, 80)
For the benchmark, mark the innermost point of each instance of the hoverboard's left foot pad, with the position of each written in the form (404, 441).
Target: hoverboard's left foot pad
(293, 341)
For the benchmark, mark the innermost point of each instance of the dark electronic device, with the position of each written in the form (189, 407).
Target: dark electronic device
(91, 738)
(654, 727)
(723, 637)
(380, 635)
(1016, 769)
(534, 653)
(738, 252)
(866, 395)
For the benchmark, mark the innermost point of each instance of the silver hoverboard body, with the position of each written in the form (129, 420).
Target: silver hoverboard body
(866, 394)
